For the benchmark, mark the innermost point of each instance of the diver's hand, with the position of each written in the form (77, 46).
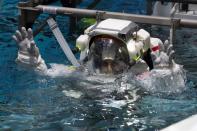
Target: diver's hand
(28, 53)
(165, 57)
(24, 40)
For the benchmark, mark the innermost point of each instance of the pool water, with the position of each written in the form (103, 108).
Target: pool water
(29, 101)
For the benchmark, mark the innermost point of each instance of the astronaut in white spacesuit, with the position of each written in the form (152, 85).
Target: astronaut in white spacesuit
(111, 46)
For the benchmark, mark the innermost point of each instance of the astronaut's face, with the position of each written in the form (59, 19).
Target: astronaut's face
(109, 55)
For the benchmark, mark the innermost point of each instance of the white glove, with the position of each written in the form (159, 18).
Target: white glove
(28, 53)
(165, 57)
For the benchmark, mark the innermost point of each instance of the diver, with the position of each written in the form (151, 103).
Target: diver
(111, 46)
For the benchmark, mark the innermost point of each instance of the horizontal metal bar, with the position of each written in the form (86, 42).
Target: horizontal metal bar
(188, 23)
(105, 14)
(179, 1)
(155, 20)
(33, 3)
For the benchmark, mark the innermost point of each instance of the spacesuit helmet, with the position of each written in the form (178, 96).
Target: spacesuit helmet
(108, 54)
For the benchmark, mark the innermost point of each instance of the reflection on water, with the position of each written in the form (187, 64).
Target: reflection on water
(29, 101)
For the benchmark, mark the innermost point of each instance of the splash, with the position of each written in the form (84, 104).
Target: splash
(164, 80)
(128, 98)
(117, 91)
(60, 70)
(72, 93)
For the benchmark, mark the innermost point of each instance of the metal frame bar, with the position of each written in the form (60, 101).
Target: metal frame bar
(173, 23)
(155, 20)
(179, 1)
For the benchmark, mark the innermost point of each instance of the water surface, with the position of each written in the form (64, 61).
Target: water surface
(29, 101)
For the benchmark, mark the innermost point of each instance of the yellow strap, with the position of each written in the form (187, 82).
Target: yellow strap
(72, 68)
(78, 46)
(136, 58)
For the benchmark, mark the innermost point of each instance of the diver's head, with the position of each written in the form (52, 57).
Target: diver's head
(108, 54)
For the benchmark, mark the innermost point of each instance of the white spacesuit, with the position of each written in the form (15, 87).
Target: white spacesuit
(120, 41)
(110, 46)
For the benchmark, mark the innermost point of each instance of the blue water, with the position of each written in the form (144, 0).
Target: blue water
(29, 101)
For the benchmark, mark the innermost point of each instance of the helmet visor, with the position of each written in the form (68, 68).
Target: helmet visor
(109, 54)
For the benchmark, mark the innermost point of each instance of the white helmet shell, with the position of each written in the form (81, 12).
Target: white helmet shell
(82, 42)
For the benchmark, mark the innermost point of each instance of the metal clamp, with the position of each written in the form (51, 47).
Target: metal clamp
(174, 21)
(99, 15)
